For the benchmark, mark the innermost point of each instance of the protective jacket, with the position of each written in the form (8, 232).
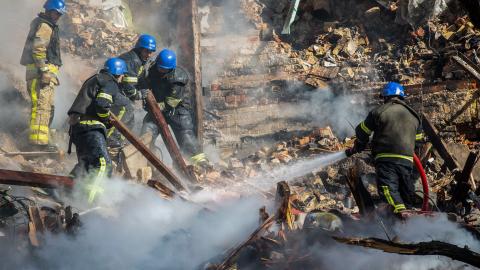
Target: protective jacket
(43, 44)
(92, 106)
(171, 89)
(136, 67)
(395, 127)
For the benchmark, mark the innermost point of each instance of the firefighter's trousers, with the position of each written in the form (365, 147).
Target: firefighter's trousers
(395, 184)
(42, 111)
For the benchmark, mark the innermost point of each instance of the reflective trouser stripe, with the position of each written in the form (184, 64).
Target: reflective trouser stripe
(120, 116)
(41, 112)
(96, 187)
(199, 158)
(397, 207)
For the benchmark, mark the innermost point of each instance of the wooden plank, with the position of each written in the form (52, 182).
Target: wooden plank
(188, 40)
(170, 143)
(461, 189)
(8, 177)
(439, 144)
(360, 193)
(154, 160)
(423, 248)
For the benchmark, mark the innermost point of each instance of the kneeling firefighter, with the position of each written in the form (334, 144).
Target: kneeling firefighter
(89, 121)
(396, 128)
(169, 85)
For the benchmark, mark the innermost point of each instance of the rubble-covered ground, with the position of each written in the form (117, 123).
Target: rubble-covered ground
(344, 44)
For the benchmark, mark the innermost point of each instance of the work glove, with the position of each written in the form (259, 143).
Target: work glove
(350, 152)
(48, 78)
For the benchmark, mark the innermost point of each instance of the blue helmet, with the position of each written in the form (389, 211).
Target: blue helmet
(167, 59)
(57, 5)
(393, 89)
(116, 66)
(147, 41)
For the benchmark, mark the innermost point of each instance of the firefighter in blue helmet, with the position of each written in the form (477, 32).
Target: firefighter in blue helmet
(396, 128)
(42, 58)
(136, 59)
(170, 86)
(89, 121)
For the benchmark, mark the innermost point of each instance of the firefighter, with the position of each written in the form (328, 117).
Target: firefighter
(136, 59)
(89, 121)
(395, 127)
(42, 58)
(170, 86)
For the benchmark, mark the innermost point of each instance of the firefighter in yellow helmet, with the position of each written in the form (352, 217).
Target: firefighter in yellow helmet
(42, 57)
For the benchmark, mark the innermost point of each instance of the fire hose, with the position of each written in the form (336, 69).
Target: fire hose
(423, 176)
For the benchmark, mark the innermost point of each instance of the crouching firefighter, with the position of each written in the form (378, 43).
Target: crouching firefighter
(170, 86)
(89, 121)
(136, 59)
(42, 58)
(395, 127)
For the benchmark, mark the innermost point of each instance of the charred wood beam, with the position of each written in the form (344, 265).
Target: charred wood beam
(228, 261)
(154, 160)
(167, 136)
(439, 144)
(41, 180)
(360, 194)
(461, 189)
(188, 40)
(423, 248)
(468, 65)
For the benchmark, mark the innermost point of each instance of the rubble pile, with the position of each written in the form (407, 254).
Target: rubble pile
(88, 33)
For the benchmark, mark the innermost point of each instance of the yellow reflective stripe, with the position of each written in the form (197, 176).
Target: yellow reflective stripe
(105, 96)
(92, 123)
(39, 56)
(130, 79)
(104, 115)
(96, 187)
(44, 129)
(120, 116)
(365, 128)
(399, 207)
(388, 196)
(419, 137)
(140, 70)
(387, 155)
(173, 102)
(33, 95)
(39, 138)
(52, 68)
(199, 158)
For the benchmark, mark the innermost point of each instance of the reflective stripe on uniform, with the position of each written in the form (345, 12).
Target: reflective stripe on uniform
(44, 129)
(388, 155)
(419, 137)
(396, 207)
(199, 158)
(39, 138)
(96, 186)
(130, 79)
(173, 102)
(39, 55)
(33, 95)
(103, 115)
(105, 96)
(120, 116)
(365, 128)
(91, 123)
(49, 67)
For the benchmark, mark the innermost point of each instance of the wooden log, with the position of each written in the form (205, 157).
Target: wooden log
(154, 160)
(40, 180)
(461, 189)
(228, 261)
(188, 40)
(167, 136)
(360, 193)
(439, 144)
(423, 248)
